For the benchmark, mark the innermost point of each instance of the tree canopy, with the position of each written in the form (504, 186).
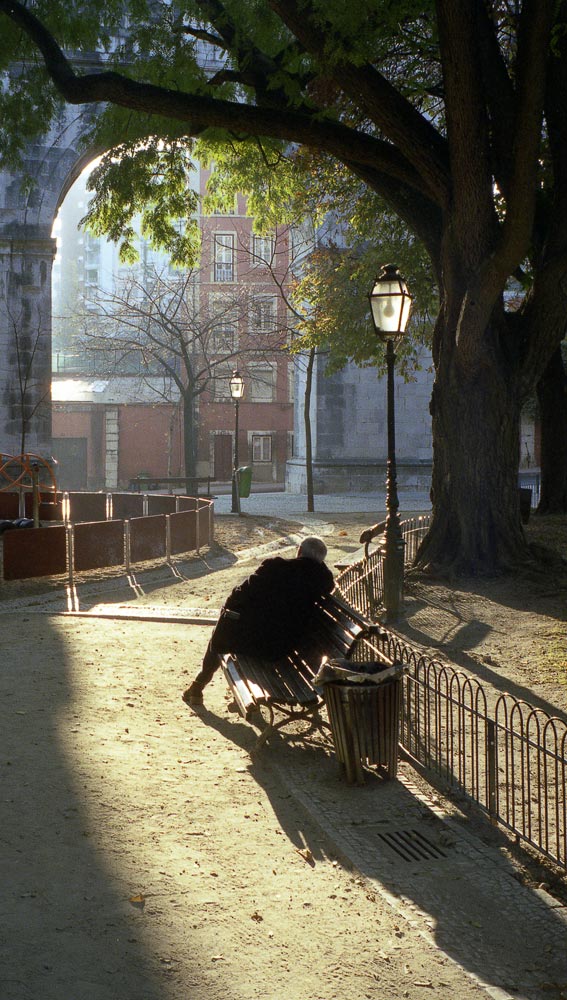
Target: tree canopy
(452, 112)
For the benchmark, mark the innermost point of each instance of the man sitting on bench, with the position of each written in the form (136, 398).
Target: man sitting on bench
(268, 614)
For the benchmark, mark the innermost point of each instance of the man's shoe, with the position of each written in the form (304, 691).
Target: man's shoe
(193, 695)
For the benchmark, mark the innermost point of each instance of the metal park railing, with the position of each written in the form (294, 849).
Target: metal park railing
(501, 753)
(362, 583)
(507, 757)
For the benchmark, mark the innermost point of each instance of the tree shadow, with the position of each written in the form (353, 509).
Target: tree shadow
(67, 927)
(455, 639)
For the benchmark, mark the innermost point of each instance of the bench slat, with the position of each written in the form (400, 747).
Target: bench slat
(263, 675)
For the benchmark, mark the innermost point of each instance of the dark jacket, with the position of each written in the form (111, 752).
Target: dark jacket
(275, 605)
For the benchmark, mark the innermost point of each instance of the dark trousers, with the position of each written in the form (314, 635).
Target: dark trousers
(230, 637)
(211, 663)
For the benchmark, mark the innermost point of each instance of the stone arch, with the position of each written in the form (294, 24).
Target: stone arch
(29, 201)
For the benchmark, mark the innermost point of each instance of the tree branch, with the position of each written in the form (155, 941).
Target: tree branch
(416, 138)
(199, 111)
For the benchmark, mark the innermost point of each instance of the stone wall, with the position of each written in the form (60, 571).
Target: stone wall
(349, 430)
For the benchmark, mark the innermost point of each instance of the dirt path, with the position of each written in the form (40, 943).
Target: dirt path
(145, 855)
(146, 858)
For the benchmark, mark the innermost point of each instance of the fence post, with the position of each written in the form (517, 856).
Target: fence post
(127, 545)
(368, 579)
(35, 488)
(70, 556)
(492, 769)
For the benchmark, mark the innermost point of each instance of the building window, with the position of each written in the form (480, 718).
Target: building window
(224, 257)
(261, 448)
(264, 314)
(261, 382)
(222, 325)
(220, 384)
(223, 338)
(263, 249)
(291, 382)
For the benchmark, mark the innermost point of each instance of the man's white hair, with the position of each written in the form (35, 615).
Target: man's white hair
(313, 548)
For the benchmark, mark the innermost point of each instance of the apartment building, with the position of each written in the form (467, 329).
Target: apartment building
(120, 399)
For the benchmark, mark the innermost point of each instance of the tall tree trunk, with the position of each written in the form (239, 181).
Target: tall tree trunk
(476, 525)
(308, 441)
(552, 399)
(189, 436)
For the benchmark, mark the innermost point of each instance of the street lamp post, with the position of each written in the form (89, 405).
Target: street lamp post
(390, 306)
(236, 392)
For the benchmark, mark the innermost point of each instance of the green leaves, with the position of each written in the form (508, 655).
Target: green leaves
(151, 180)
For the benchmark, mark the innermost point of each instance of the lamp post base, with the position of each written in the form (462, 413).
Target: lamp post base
(235, 508)
(393, 578)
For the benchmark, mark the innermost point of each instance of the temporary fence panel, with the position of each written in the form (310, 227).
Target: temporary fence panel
(30, 552)
(98, 544)
(204, 516)
(161, 504)
(182, 531)
(87, 507)
(186, 503)
(9, 505)
(126, 505)
(147, 538)
(49, 511)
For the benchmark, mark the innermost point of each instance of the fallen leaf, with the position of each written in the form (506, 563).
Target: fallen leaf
(306, 855)
(139, 900)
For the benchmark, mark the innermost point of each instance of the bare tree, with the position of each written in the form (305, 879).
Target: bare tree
(178, 335)
(27, 394)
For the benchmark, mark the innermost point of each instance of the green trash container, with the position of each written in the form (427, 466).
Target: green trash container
(244, 480)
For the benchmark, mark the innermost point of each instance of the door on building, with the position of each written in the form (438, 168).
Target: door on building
(71, 455)
(222, 471)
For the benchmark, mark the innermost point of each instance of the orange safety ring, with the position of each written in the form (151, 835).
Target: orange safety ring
(26, 463)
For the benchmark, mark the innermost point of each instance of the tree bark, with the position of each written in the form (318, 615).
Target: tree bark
(189, 428)
(476, 526)
(552, 399)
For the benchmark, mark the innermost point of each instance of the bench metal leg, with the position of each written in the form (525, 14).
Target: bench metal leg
(310, 714)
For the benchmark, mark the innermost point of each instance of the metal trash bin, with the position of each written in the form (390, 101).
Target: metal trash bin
(365, 723)
(244, 478)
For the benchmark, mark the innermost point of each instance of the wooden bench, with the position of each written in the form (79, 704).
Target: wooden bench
(286, 685)
(189, 483)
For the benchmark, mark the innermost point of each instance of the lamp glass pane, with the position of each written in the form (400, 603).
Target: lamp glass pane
(237, 387)
(386, 303)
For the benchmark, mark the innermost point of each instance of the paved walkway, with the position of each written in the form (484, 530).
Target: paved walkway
(461, 895)
(293, 505)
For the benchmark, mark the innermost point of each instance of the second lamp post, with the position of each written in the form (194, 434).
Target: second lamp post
(236, 392)
(390, 304)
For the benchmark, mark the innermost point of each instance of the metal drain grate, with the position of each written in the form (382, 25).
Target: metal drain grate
(412, 845)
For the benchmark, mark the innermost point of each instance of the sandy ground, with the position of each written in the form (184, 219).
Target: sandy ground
(145, 854)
